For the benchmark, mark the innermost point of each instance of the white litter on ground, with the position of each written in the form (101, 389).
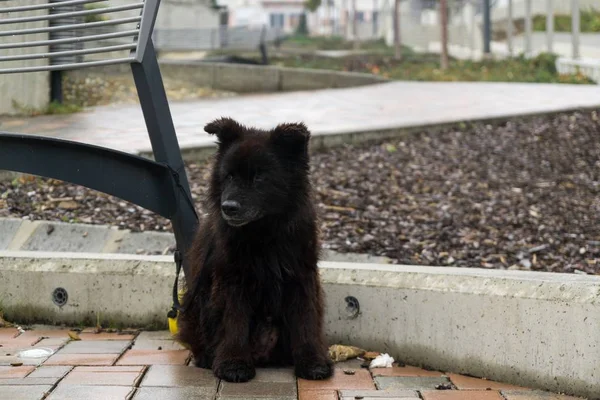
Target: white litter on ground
(382, 361)
(41, 352)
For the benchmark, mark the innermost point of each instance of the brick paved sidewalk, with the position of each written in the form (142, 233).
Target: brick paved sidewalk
(150, 365)
(361, 109)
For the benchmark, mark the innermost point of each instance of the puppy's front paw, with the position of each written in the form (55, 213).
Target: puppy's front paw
(314, 370)
(235, 371)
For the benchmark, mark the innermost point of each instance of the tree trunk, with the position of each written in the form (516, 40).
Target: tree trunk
(444, 38)
(397, 38)
(355, 26)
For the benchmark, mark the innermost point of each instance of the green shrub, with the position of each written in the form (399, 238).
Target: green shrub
(302, 29)
(95, 17)
(590, 22)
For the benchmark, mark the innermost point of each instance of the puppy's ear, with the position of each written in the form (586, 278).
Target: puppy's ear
(227, 130)
(293, 138)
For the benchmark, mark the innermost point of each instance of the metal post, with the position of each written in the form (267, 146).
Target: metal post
(354, 25)
(444, 35)
(549, 25)
(159, 123)
(262, 47)
(575, 14)
(56, 87)
(344, 15)
(528, 28)
(473, 24)
(375, 17)
(509, 28)
(487, 28)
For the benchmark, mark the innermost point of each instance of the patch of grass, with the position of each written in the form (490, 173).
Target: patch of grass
(95, 17)
(332, 43)
(51, 109)
(58, 108)
(590, 22)
(425, 67)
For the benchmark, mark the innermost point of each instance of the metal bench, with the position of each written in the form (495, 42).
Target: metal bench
(67, 34)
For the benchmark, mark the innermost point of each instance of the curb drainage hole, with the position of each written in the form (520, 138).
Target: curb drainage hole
(60, 296)
(352, 307)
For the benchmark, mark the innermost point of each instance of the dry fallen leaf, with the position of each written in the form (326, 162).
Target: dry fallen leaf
(4, 323)
(370, 355)
(74, 335)
(340, 352)
(68, 205)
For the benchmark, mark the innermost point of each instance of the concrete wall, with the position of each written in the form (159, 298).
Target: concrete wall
(526, 328)
(247, 78)
(31, 90)
(174, 14)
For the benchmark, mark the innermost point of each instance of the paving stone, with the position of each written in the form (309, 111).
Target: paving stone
(179, 376)
(466, 382)
(8, 229)
(79, 392)
(256, 398)
(157, 345)
(404, 371)
(7, 371)
(45, 333)
(255, 389)
(410, 382)
(16, 350)
(87, 336)
(18, 342)
(349, 364)
(318, 395)
(95, 347)
(147, 241)
(27, 382)
(155, 335)
(12, 360)
(379, 394)
(275, 375)
(17, 354)
(104, 376)
(67, 238)
(82, 359)
(8, 333)
(535, 395)
(361, 380)
(155, 357)
(18, 392)
(183, 393)
(50, 372)
(52, 342)
(461, 395)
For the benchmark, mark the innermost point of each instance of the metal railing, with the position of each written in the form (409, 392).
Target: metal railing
(202, 39)
(61, 35)
(57, 31)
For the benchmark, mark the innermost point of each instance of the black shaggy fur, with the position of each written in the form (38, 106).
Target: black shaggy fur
(255, 297)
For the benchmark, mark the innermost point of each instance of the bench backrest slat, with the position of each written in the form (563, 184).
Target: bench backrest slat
(49, 35)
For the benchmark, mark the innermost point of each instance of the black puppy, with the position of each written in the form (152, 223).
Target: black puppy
(255, 297)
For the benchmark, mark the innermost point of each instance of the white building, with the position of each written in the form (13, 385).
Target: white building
(277, 14)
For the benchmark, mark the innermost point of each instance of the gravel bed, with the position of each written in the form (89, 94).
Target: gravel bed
(521, 195)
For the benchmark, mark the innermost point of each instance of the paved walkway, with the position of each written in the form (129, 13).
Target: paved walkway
(388, 105)
(149, 365)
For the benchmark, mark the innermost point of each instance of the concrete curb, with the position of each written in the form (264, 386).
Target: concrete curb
(25, 235)
(527, 328)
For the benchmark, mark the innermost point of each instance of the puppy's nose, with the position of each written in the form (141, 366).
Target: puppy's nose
(230, 208)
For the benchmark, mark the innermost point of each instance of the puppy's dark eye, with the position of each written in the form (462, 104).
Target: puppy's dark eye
(229, 177)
